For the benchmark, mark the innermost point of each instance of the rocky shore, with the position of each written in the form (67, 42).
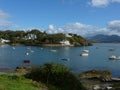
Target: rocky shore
(99, 80)
(103, 75)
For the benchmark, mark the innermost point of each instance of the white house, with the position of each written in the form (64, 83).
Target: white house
(67, 35)
(30, 36)
(4, 41)
(65, 42)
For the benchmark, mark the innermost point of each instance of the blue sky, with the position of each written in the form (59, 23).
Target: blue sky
(67, 16)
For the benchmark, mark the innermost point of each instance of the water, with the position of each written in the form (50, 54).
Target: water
(10, 57)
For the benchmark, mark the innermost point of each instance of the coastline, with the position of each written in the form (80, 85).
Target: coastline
(41, 45)
(56, 45)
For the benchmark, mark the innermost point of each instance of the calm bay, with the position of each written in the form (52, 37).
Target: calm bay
(11, 57)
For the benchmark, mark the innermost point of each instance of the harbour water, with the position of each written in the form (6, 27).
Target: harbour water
(10, 57)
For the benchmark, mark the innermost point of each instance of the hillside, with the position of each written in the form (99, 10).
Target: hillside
(104, 38)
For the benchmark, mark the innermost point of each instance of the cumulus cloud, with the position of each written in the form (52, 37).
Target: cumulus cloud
(116, 1)
(99, 3)
(114, 27)
(51, 29)
(4, 20)
(76, 28)
(102, 3)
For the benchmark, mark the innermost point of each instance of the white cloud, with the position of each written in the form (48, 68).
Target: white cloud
(102, 3)
(116, 1)
(114, 27)
(51, 29)
(5, 23)
(76, 28)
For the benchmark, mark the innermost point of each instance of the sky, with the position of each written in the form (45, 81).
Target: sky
(83, 17)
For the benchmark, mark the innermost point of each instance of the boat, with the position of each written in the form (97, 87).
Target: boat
(84, 52)
(65, 59)
(53, 50)
(97, 48)
(26, 61)
(113, 57)
(111, 49)
(27, 53)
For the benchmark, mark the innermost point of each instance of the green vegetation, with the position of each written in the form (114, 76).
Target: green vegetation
(19, 37)
(18, 83)
(56, 77)
(49, 76)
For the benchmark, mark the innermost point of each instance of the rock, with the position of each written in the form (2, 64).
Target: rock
(103, 75)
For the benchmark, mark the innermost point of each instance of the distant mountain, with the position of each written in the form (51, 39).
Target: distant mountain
(104, 38)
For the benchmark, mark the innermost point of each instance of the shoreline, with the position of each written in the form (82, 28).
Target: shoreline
(12, 70)
(41, 45)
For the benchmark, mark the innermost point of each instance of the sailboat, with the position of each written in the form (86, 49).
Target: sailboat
(84, 52)
(52, 50)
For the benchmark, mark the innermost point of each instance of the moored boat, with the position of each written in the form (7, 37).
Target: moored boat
(65, 59)
(113, 57)
(26, 61)
(84, 53)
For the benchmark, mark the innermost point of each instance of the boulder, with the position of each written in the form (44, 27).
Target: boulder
(103, 75)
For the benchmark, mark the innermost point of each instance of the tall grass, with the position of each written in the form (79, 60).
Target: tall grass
(17, 83)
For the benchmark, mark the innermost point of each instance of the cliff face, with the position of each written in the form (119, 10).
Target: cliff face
(103, 75)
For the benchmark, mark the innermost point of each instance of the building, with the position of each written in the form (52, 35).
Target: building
(30, 36)
(4, 41)
(67, 35)
(65, 42)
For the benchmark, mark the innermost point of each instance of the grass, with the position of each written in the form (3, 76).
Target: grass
(18, 83)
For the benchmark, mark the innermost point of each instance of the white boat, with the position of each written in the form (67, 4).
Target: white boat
(53, 50)
(84, 53)
(113, 57)
(27, 53)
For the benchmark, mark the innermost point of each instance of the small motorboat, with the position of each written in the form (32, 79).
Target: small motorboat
(111, 49)
(113, 57)
(26, 61)
(84, 53)
(87, 51)
(53, 50)
(65, 59)
(27, 53)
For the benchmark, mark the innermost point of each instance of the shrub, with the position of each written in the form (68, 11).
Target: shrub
(56, 75)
